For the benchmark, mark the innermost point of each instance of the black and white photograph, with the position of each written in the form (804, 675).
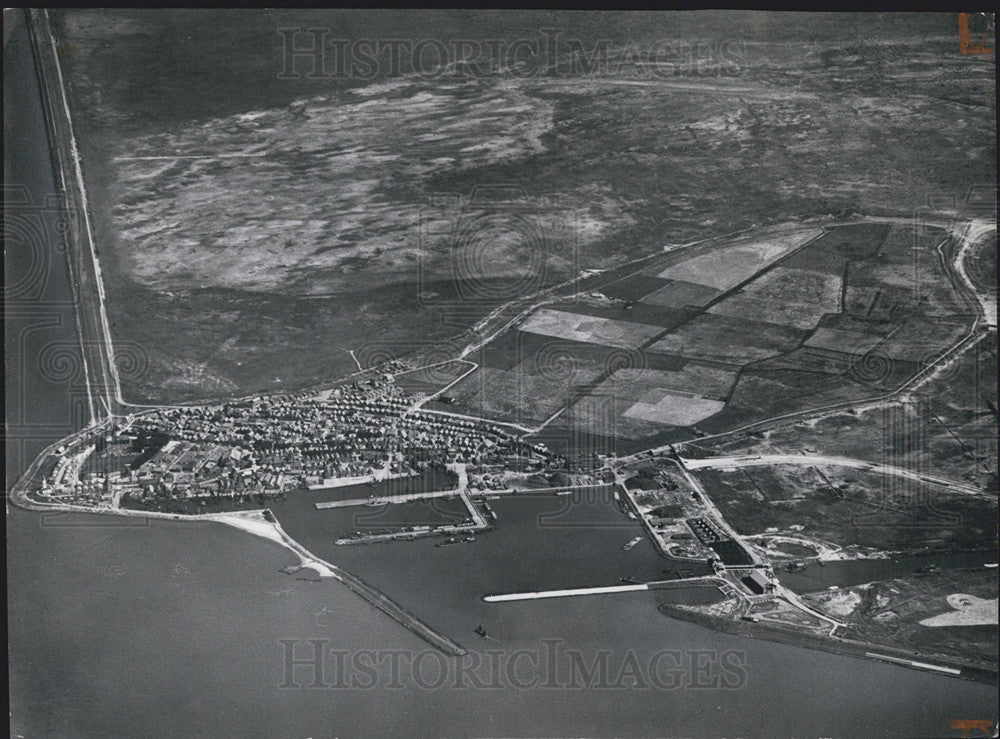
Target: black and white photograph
(483, 372)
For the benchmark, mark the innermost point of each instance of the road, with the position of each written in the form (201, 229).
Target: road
(975, 231)
(98, 354)
(720, 519)
(765, 460)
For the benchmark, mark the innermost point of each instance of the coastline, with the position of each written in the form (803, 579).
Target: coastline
(257, 523)
(834, 645)
(101, 377)
(99, 368)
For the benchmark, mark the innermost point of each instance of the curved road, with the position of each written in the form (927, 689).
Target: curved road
(766, 460)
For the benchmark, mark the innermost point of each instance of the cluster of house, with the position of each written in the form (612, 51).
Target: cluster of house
(270, 444)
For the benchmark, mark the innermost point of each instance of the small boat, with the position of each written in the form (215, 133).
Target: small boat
(481, 630)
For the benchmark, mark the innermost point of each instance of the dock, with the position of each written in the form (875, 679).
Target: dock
(605, 590)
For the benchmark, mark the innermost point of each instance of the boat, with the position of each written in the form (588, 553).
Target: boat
(481, 630)
(632, 543)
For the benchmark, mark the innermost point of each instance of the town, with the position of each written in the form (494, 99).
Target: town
(251, 449)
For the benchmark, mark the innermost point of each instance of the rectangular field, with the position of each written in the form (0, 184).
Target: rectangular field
(693, 378)
(839, 340)
(640, 402)
(589, 329)
(679, 293)
(604, 416)
(727, 267)
(728, 339)
(790, 297)
(672, 408)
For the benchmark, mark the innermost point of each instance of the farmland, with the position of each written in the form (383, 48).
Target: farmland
(804, 318)
(950, 426)
(255, 229)
(589, 329)
(726, 268)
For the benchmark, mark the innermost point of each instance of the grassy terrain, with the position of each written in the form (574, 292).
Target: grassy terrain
(784, 338)
(948, 427)
(890, 612)
(850, 509)
(260, 271)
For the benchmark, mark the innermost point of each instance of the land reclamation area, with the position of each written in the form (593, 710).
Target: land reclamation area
(255, 230)
(711, 338)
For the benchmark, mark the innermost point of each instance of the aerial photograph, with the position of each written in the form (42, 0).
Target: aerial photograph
(500, 373)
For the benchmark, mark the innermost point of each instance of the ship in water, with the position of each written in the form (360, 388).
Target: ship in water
(632, 543)
(455, 540)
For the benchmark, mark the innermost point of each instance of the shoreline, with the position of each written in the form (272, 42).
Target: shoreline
(836, 645)
(97, 351)
(255, 523)
(103, 384)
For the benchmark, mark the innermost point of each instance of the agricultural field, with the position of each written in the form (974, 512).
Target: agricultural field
(664, 367)
(589, 329)
(636, 402)
(665, 317)
(634, 288)
(733, 340)
(838, 339)
(950, 427)
(680, 294)
(692, 379)
(789, 297)
(726, 268)
(254, 228)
